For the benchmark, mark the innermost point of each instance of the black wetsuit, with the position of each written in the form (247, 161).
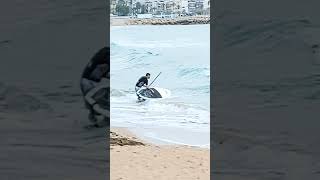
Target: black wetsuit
(142, 81)
(90, 72)
(92, 75)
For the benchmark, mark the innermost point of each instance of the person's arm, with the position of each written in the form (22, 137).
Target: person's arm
(146, 83)
(101, 111)
(93, 102)
(91, 93)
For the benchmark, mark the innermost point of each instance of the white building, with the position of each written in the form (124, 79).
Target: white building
(166, 6)
(161, 5)
(178, 6)
(206, 4)
(148, 5)
(184, 6)
(191, 6)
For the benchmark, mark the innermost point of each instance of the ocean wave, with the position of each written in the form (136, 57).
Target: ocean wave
(164, 111)
(204, 89)
(182, 55)
(119, 93)
(125, 55)
(194, 72)
(155, 44)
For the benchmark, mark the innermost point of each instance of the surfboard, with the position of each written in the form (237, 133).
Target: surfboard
(154, 93)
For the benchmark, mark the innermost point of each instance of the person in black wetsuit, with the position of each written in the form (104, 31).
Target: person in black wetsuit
(99, 100)
(97, 69)
(142, 82)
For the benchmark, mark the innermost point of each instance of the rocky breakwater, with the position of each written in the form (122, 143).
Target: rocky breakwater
(175, 21)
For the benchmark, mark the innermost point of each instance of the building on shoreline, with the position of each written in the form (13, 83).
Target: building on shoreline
(206, 7)
(157, 7)
(113, 4)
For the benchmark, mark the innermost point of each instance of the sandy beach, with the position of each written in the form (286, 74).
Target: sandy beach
(132, 158)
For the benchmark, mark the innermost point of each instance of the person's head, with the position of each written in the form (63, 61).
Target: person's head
(148, 75)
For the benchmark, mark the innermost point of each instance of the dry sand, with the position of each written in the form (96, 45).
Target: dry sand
(149, 162)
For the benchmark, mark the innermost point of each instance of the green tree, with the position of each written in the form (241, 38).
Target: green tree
(122, 9)
(138, 6)
(143, 9)
(130, 7)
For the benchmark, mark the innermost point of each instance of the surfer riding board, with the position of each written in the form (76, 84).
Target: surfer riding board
(144, 91)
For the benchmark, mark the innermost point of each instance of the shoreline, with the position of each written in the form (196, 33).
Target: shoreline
(133, 158)
(143, 136)
(186, 20)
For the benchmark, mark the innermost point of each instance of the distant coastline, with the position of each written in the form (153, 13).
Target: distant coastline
(186, 20)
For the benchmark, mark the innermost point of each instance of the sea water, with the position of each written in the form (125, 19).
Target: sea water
(182, 54)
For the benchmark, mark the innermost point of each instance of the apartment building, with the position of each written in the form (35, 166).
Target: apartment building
(166, 6)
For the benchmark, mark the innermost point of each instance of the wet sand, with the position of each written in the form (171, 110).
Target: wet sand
(132, 159)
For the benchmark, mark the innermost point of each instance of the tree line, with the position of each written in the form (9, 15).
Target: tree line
(125, 9)
(122, 9)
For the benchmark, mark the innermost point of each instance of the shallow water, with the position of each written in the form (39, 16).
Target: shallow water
(182, 54)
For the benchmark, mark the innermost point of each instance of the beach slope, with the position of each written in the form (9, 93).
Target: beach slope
(131, 159)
